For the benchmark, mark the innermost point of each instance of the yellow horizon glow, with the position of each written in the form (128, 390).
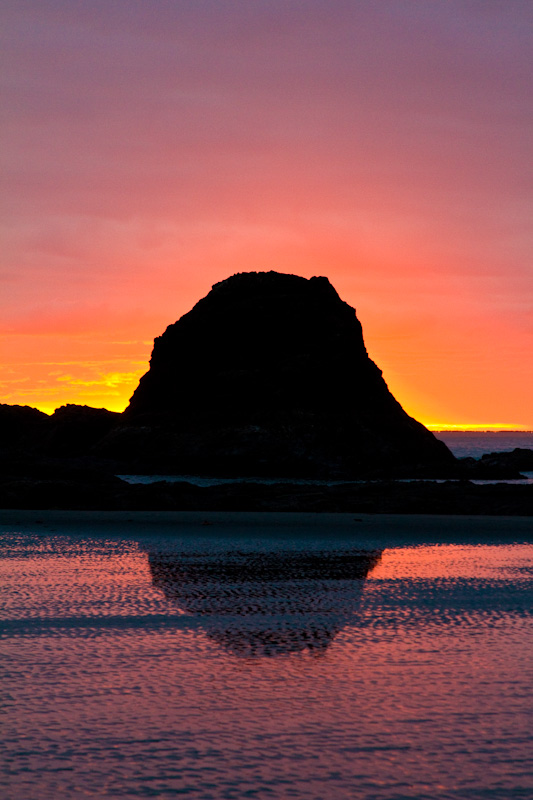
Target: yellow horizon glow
(462, 427)
(435, 427)
(49, 408)
(104, 371)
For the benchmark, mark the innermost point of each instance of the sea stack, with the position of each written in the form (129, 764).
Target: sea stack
(269, 375)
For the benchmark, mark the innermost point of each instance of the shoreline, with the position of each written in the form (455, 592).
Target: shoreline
(272, 524)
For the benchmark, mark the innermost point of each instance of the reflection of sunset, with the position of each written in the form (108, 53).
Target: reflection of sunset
(450, 561)
(420, 688)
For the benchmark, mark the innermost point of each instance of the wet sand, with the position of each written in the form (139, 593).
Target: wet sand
(268, 654)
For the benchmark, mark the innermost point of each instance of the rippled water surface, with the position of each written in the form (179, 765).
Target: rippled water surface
(212, 660)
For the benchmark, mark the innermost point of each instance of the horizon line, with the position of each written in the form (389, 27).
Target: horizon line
(442, 427)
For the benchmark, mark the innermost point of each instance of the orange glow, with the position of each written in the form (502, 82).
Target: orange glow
(438, 379)
(382, 148)
(447, 561)
(49, 371)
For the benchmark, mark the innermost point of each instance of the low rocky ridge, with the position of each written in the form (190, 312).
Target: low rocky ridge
(33, 477)
(71, 431)
(86, 490)
(521, 458)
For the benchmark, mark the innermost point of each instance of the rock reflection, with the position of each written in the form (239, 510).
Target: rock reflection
(266, 603)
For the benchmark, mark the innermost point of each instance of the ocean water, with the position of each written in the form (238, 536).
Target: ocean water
(475, 443)
(311, 656)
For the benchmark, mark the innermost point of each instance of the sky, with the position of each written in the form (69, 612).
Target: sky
(150, 150)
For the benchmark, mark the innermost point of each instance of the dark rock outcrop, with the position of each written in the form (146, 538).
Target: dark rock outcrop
(73, 430)
(70, 431)
(269, 375)
(100, 491)
(20, 426)
(521, 458)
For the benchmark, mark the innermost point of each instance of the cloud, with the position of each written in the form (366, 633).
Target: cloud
(111, 380)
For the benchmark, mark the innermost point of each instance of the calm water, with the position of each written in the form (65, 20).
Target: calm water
(216, 659)
(476, 443)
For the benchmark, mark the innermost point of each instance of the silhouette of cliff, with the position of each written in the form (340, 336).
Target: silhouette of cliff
(269, 375)
(20, 425)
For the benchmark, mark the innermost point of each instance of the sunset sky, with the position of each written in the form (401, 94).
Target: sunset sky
(151, 149)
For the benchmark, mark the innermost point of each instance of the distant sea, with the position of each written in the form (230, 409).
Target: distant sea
(476, 443)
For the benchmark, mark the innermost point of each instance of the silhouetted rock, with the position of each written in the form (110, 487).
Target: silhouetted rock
(74, 429)
(521, 458)
(269, 375)
(70, 431)
(482, 469)
(100, 491)
(20, 425)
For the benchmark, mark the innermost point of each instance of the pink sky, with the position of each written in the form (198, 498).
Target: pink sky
(152, 149)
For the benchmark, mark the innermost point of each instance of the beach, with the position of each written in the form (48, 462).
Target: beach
(224, 655)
